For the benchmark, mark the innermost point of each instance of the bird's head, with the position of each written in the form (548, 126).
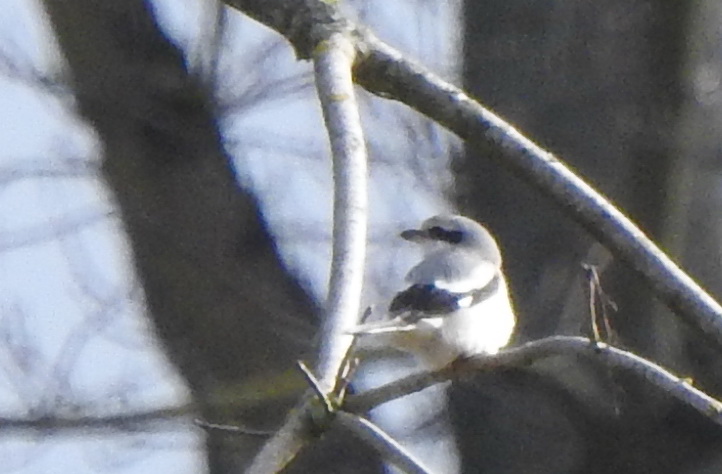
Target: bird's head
(453, 231)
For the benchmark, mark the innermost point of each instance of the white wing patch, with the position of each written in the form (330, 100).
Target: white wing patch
(465, 302)
(478, 279)
(433, 322)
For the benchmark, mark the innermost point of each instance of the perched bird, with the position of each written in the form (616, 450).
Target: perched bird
(457, 304)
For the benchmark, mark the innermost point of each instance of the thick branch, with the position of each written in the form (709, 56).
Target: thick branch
(333, 62)
(385, 72)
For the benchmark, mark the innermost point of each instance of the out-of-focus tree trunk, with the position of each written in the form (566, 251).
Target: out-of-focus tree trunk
(221, 302)
(597, 83)
(693, 227)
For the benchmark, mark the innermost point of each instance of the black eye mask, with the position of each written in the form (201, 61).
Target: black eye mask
(451, 236)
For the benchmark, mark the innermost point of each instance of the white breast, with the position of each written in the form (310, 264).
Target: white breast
(481, 329)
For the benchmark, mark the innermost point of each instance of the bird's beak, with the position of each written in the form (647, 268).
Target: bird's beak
(414, 235)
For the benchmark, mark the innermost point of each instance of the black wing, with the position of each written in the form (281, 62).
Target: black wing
(422, 301)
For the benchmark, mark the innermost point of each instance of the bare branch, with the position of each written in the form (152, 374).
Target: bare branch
(335, 89)
(316, 387)
(385, 445)
(240, 430)
(541, 349)
(130, 421)
(305, 23)
(42, 233)
(598, 298)
(332, 66)
(385, 72)
(21, 69)
(282, 448)
(40, 169)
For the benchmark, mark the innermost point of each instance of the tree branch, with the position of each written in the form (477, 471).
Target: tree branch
(131, 421)
(343, 122)
(383, 71)
(541, 349)
(333, 59)
(385, 445)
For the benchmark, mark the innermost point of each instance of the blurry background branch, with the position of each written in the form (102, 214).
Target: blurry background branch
(127, 421)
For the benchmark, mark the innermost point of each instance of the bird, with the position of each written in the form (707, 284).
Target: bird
(457, 304)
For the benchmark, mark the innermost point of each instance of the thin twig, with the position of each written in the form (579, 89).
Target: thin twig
(598, 298)
(316, 386)
(385, 445)
(235, 429)
(130, 421)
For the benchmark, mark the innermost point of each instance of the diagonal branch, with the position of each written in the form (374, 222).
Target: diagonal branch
(384, 71)
(389, 449)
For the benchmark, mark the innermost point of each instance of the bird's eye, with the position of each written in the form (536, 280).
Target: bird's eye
(454, 236)
(436, 232)
(451, 236)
